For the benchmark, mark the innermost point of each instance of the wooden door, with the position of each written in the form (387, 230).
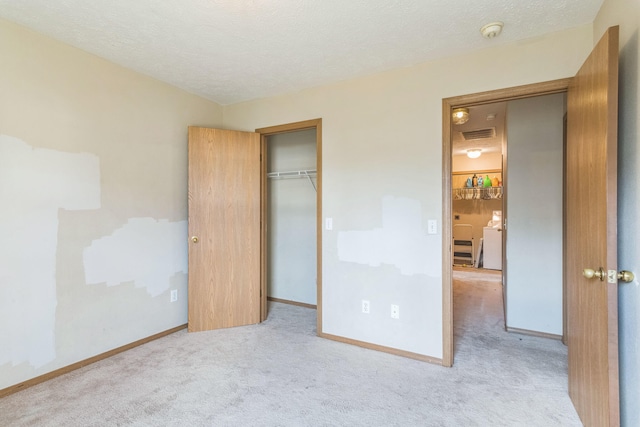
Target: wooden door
(224, 228)
(591, 230)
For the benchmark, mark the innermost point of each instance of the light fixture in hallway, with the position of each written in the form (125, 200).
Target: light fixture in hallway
(460, 116)
(474, 153)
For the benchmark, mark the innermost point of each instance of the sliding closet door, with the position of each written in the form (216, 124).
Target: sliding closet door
(224, 228)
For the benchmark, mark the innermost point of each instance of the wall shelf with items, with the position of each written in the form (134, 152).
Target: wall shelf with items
(485, 193)
(461, 190)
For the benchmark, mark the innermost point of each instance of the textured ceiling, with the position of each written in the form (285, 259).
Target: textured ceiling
(235, 50)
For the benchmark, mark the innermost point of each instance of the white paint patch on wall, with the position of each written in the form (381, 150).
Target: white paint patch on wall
(402, 241)
(34, 184)
(145, 250)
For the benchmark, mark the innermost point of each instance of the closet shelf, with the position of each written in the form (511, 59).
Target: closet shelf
(292, 174)
(308, 173)
(477, 193)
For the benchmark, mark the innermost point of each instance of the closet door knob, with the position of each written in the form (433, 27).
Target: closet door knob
(194, 239)
(590, 273)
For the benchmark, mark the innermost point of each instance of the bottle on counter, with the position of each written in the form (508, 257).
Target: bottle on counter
(474, 180)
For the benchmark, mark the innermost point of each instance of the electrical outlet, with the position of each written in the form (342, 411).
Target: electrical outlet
(174, 295)
(366, 306)
(395, 311)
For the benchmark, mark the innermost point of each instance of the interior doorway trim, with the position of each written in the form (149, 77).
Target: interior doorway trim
(264, 133)
(448, 104)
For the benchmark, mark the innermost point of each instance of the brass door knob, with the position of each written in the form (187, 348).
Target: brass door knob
(194, 239)
(626, 276)
(590, 273)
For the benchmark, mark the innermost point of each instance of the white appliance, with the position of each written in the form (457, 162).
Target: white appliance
(492, 248)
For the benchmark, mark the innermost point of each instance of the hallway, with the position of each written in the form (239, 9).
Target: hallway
(515, 360)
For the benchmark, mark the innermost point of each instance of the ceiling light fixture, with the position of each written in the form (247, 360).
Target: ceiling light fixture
(460, 116)
(492, 30)
(474, 153)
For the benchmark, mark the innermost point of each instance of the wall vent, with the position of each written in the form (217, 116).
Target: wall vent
(479, 134)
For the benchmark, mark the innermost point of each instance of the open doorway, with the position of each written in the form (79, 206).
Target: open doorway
(478, 140)
(464, 200)
(291, 218)
(291, 205)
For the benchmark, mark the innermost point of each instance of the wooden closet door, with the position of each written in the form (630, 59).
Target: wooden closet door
(224, 228)
(592, 304)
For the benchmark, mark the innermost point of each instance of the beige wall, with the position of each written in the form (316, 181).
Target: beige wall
(382, 138)
(125, 135)
(487, 161)
(93, 188)
(626, 14)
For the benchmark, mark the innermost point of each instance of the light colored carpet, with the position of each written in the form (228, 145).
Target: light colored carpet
(280, 374)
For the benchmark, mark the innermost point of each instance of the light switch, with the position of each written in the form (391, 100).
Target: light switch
(432, 226)
(328, 223)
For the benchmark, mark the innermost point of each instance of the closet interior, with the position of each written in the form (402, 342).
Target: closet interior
(292, 217)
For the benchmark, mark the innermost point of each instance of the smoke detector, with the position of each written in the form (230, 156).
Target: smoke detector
(492, 30)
